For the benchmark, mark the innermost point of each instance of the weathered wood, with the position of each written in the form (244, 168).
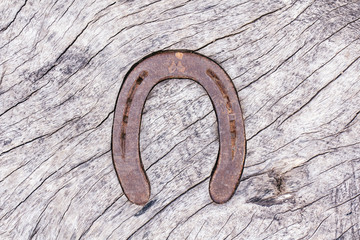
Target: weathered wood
(295, 65)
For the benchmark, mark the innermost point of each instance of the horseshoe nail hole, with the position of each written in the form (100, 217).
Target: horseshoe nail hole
(125, 119)
(123, 135)
(232, 126)
(143, 75)
(139, 80)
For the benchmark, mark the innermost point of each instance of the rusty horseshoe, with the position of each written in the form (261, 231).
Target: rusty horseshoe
(138, 82)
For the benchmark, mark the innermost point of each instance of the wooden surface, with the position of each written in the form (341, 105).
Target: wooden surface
(295, 65)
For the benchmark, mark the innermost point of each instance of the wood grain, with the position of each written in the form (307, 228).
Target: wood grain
(296, 68)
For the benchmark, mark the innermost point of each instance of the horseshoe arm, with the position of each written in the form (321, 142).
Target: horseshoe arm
(127, 119)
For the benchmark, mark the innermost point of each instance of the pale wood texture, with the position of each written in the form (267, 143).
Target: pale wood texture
(295, 65)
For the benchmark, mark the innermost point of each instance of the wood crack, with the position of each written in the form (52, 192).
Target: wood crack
(318, 92)
(13, 20)
(167, 205)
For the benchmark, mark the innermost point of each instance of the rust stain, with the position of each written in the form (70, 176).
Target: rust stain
(179, 55)
(176, 67)
(172, 67)
(180, 67)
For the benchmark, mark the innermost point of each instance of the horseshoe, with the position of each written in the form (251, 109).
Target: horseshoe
(138, 82)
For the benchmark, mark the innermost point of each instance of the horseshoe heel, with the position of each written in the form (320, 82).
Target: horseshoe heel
(127, 119)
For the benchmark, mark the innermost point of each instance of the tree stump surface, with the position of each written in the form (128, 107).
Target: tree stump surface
(295, 65)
